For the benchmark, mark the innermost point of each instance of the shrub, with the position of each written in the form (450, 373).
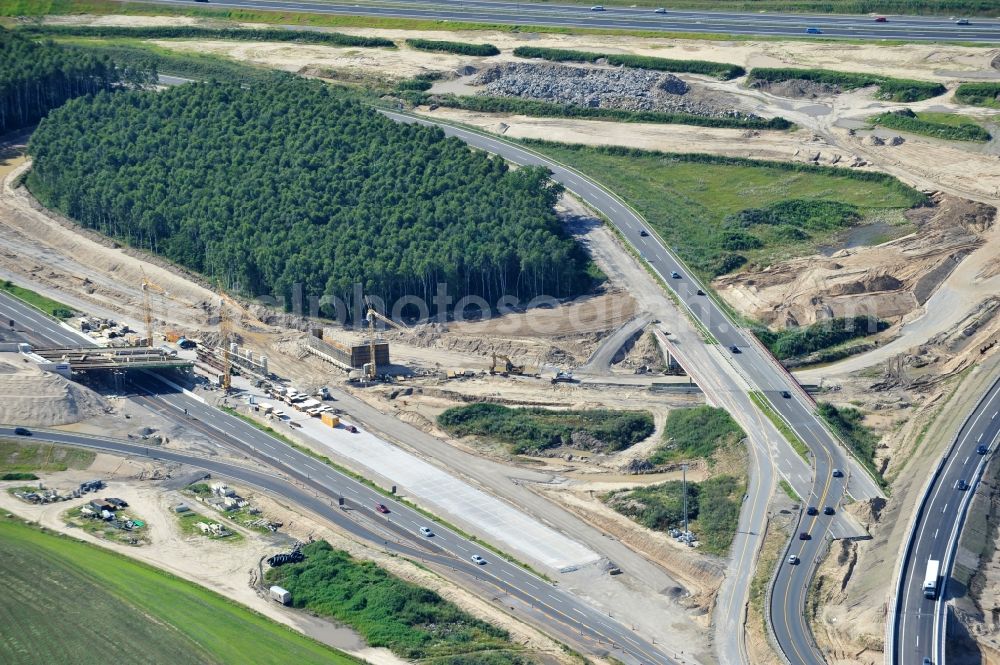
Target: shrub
(897, 90)
(793, 342)
(717, 69)
(194, 32)
(696, 432)
(979, 94)
(847, 423)
(533, 429)
(912, 123)
(18, 475)
(461, 48)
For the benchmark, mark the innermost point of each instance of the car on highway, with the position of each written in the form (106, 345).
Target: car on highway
(351, 428)
(881, 19)
(804, 536)
(786, 394)
(597, 8)
(674, 274)
(478, 560)
(927, 661)
(735, 349)
(837, 473)
(813, 31)
(380, 507)
(962, 21)
(700, 292)
(961, 485)
(22, 431)
(660, 10)
(812, 510)
(427, 533)
(644, 233)
(793, 560)
(828, 510)
(982, 449)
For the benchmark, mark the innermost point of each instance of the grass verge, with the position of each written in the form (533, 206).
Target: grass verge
(696, 433)
(195, 32)
(796, 442)
(848, 425)
(25, 456)
(789, 490)
(150, 615)
(51, 307)
(384, 492)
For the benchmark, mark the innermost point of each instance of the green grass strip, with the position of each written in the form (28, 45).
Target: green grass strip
(786, 431)
(51, 307)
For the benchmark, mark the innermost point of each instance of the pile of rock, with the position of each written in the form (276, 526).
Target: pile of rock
(617, 88)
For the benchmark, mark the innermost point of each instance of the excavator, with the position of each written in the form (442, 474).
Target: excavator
(508, 368)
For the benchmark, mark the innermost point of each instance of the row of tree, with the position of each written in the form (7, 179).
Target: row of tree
(272, 186)
(36, 77)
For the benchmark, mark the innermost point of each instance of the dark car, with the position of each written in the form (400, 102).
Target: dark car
(675, 274)
(786, 394)
(700, 292)
(812, 510)
(982, 449)
(735, 349)
(837, 473)
(828, 510)
(22, 431)
(881, 19)
(352, 429)
(380, 507)
(804, 536)
(644, 233)
(961, 485)
(813, 31)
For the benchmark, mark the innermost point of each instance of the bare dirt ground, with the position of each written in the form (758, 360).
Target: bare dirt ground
(231, 568)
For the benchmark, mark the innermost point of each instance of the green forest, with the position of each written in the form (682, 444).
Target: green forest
(270, 186)
(36, 77)
(529, 430)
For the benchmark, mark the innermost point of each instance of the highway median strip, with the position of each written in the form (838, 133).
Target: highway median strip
(786, 431)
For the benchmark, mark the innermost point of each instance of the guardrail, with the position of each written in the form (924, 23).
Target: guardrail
(893, 624)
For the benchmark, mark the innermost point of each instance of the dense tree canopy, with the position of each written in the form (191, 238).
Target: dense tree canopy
(268, 186)
(36, 77)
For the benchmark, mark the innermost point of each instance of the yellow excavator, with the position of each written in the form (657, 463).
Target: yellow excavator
(508, 366)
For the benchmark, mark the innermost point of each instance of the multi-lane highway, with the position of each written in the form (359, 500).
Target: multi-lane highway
(918, 622)
(562, 613)
(908, 28)
(755, 364)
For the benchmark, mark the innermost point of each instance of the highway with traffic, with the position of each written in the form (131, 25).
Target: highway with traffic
(761, 371)
(562, 614)
(917, 624)
(908, 28)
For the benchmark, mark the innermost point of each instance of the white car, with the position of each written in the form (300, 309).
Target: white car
(597, 8)
(661, 10)
(478, 560)
(426, 532)
(793, 560)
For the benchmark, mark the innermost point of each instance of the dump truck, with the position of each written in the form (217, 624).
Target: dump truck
(931, 578)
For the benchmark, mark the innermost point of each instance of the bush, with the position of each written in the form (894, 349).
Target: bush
(979, 94)
(532, 107)
(717, 69)
(413, 622)
(793, 342)
(696, 432)
(193, 32)
(461, 48)
(847, 423)
(912, 123)
(897, 90)
(533, 429)
(18, 475)
(818, 215)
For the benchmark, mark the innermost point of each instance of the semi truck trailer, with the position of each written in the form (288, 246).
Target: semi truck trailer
(931, 578)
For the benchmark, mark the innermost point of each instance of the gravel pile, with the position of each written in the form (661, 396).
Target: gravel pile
(620, 88)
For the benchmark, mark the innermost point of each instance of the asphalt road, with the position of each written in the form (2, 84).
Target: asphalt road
(908, 28)
(757, 367)
(919, 622)
(562, 613)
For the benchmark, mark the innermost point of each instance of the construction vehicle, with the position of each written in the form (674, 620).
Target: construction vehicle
(508, 366)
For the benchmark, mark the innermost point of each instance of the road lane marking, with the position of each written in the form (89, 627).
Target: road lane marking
(945, 508)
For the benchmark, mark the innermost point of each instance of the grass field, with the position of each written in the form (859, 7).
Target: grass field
(711, 209)
(97, 607)
(696, 433)
(948, 126)
(18, 455)
(47, 305)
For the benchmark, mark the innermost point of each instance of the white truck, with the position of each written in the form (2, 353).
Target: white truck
(931, 578)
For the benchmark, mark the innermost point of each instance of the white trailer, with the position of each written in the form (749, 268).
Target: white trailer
(931, 578)
(283, 596)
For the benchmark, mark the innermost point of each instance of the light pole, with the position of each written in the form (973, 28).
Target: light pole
(684, 485)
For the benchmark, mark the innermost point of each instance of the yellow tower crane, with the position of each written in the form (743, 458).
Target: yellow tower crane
(225, 332)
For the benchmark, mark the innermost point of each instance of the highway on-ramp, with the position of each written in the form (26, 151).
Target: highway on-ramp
(905, 28)
(760, 370)
(917, 622)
